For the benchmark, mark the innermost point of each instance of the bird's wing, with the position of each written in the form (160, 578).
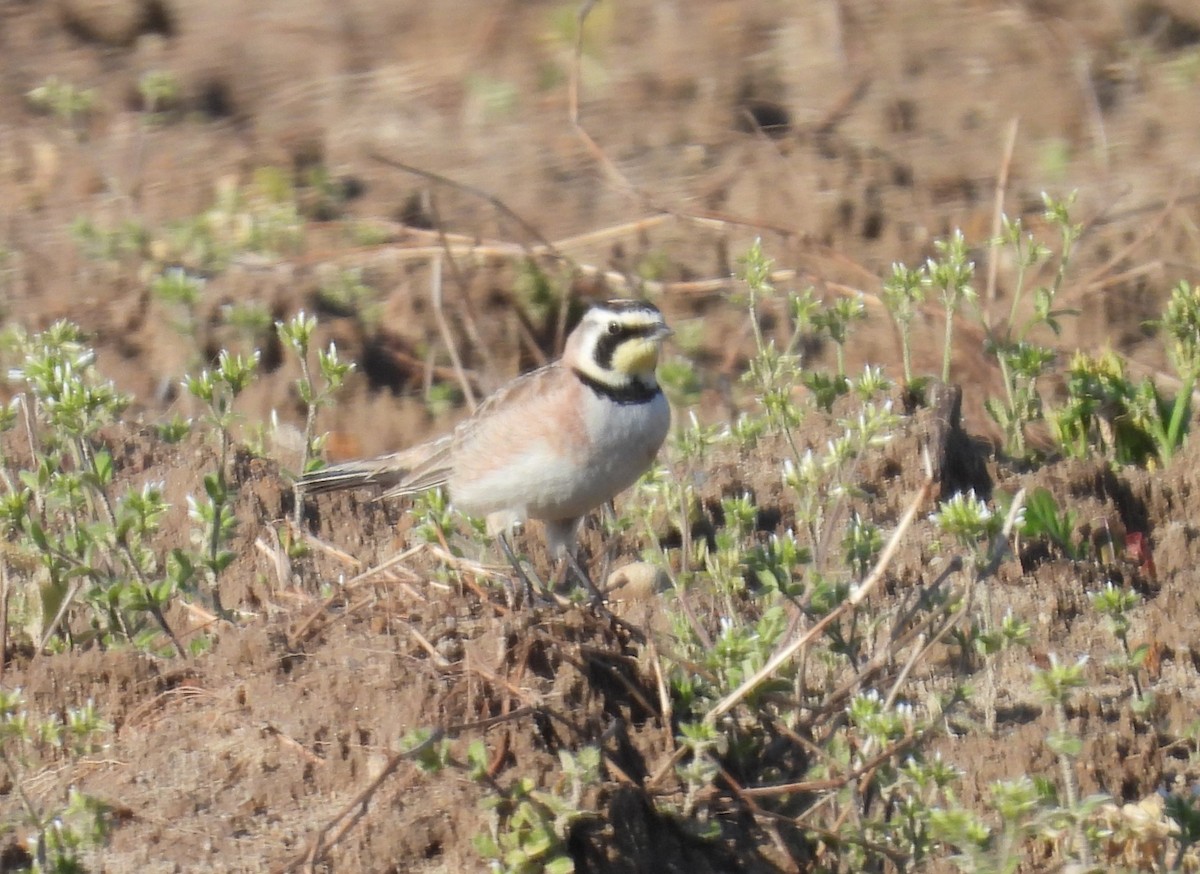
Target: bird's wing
(530, 424)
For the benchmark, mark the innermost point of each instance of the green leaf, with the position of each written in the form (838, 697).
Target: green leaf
(38, 535)
(103, 462)
(215, 488)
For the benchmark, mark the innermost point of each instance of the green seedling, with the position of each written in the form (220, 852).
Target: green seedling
(1181, 323)
(1055, 685)
(129, 240)
(1025, 809)
(91, 538)
(1042, 518)
(1116, 605)
(69, 104)
(1024, 362)
(160, 92)
(773, 373)
(345, 293)
(1098, 411)
(297, 335)
(971, 522)
(530, 825)
(950, 275)
(61, 834)
(212, 513)
(903, 294)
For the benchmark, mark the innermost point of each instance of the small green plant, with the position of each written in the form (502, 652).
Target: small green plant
(680, 381)
(344, 293)
(252, 320)
(258, 220)
(773, 373)
(61, 834)
(297, 335)
(442, 397)
(213, 515)
(538, 294)
(173, 430)
(1116, 604)
(129, 240)
(903, 294)
(160, 93)
(950, 274)
(1097, 414)
(1132, 423)
(1055, 685)
(92, 539)
(1022, 362)
(530, 825)
(1184, 812)
(181, 292)
(971, 522)
(861, 544)
(66, 102)
(835, 320)
(977, 528)
(1025, 808)
(702, 741)
(1042, 518)
(1167, 423)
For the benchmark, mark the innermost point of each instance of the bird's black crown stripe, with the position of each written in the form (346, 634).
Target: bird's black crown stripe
(630, 306)
(632, 392)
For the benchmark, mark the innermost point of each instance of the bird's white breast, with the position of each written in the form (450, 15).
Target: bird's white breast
(547, 483)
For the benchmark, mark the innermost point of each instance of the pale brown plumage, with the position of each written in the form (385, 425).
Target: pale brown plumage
(552, 444)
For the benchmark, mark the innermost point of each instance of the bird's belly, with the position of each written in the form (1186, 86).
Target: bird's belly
(545, 484)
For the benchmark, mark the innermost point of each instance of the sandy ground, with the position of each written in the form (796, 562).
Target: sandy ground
(847, 135)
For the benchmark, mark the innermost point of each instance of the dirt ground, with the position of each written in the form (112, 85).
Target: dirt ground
(846, 134)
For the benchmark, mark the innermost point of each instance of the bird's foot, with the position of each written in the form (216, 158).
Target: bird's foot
(532, 595)
(583, 577)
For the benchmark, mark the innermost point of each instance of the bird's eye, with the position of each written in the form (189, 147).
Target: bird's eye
(614, 327)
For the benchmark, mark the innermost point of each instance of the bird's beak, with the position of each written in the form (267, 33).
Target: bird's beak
(663, 332)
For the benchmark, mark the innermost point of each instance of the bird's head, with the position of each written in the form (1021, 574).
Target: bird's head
(616, 345)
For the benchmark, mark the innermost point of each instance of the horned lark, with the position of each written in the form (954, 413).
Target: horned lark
(552, 444)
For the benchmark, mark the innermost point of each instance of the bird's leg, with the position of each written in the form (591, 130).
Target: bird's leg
(502, 537)
(561, 539)
(608, 513)
(582, 575)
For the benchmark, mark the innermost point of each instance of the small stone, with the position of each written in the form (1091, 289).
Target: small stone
(636, 581)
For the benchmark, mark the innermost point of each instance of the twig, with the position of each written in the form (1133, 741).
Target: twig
(499, 204)
(294, 745)
(328, 548)
(573, 110)
(832, 782)
(665, 710)
(276, 555)
(4, 592)
(998, 209)
(439, 314)
(466, 308)
(440, 660)
(318, 847)
(304, 629)
(856, 597)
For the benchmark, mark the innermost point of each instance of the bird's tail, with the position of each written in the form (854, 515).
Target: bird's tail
(398, 473)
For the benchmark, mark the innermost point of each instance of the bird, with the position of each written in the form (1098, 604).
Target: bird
(552, 444)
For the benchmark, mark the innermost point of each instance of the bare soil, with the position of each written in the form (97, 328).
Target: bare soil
(847, 135)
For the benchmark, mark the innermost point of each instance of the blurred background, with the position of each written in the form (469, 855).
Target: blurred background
(176, 174)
